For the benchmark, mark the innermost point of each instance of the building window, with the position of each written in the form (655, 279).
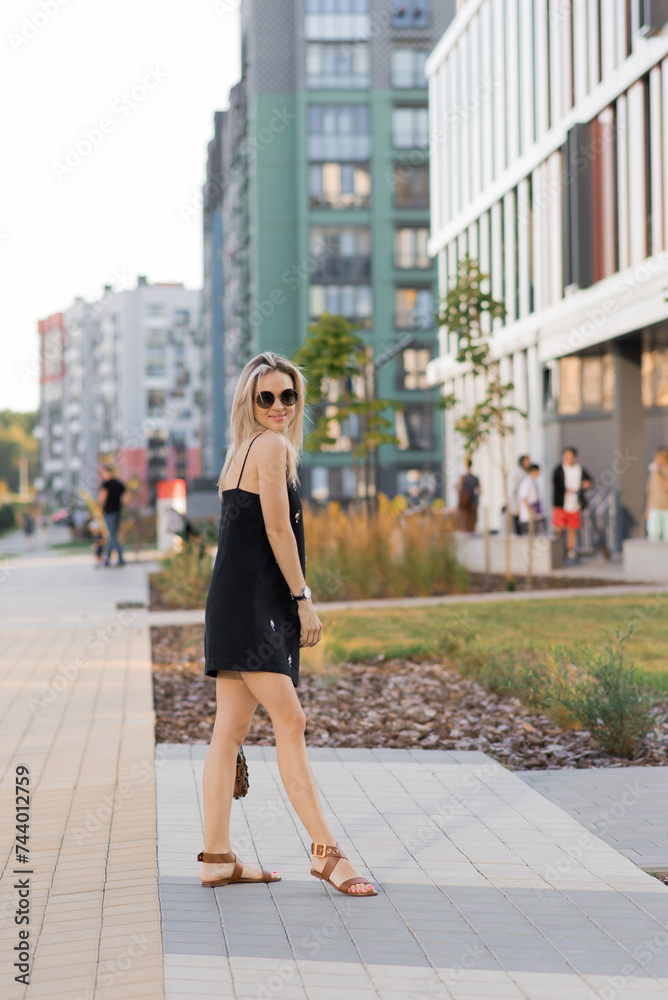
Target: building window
(412, 368)
(408, 68)
(410, 128)
(330, 20)
(154, 309)
(155, 371)
(411, 185)
(181, 317)
(413, 309)
(339, 132)
(351, 301)
(410, 13)
(155, 403)
(337, 6)
(410, 247)
(655, 367)
(341, 253)
(586, 383)
(414, 428)
(339, 185)
(337, 65)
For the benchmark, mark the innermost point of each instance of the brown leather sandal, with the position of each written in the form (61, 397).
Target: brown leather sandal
(221, 859)
(333, 855)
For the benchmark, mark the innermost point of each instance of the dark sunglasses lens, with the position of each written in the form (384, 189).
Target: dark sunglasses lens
(265, 399)
(289, 397)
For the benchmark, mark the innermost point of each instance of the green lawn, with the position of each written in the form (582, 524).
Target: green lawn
(538, 624)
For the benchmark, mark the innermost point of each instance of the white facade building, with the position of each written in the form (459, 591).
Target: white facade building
(121, 379)
(549, 151)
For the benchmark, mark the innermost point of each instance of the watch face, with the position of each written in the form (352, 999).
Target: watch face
(307, 592)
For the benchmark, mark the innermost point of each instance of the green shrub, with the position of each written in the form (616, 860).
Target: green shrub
(606, 695)
(185, 576)
(593, 688)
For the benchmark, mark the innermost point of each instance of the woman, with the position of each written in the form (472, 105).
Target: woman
(257, 605)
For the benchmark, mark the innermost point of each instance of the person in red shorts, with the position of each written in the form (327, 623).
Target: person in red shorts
(569, 480)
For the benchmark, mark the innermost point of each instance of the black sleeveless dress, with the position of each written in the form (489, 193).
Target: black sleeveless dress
(250, 621)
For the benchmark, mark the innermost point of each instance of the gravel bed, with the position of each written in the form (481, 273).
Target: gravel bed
(400, 703)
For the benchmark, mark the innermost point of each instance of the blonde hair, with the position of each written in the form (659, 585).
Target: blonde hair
(242, 416)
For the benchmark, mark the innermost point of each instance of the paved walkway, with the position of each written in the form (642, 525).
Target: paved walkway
(627, 807)
(488, 889)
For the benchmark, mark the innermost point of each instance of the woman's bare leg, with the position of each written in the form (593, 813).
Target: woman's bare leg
(235, 708)
(277, 693)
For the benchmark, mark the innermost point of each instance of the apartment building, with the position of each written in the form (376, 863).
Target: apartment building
(549, 151)
(325, 207)
(121, 381)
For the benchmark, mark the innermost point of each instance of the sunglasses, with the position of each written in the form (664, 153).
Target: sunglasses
(266, 399)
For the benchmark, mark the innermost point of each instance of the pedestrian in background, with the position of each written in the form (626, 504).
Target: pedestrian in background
(517, 476)
(110, 499)
(29, 526)
(656, 513)
(530, 507)
(569, 481)
(468, 491)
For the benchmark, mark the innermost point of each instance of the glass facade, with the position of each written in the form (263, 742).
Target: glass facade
(408, 68)
(410, 247)
(414, 309)
(339, 132)
(410, 128)
(337, 65)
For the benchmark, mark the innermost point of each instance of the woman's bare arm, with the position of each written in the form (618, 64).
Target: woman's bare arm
(270, 455)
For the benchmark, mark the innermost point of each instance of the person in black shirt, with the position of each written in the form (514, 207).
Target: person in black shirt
(110, 500)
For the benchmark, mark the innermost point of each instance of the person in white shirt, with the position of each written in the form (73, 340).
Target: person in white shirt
(514, 482)
(569, 480)
(529, 501)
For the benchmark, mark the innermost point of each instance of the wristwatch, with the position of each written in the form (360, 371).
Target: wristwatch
(305, 595)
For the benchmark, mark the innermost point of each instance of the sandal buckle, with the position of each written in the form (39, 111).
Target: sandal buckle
(319, 850)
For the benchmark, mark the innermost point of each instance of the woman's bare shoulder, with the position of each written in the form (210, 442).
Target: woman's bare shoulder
(270, 444)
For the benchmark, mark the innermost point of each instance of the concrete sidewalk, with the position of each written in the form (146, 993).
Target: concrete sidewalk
(488, 889)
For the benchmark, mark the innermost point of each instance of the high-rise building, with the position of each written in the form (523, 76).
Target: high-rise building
(324, 174)
(120, 379)
(550, 166)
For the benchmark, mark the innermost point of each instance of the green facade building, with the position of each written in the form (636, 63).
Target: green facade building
(326, 207)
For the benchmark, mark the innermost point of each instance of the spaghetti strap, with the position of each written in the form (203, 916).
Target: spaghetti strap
(244, 465)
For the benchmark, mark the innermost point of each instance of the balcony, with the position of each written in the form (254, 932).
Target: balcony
(335, 269)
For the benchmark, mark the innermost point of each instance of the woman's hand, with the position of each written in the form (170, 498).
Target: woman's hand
(310, 623)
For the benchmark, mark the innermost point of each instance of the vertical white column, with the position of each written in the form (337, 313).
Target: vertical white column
(452, 275)
(554, 259)
(484, 260)
(488, 85)
(556, 64)
(608, 39)
(521, 401)
(637, 172)
(620, 30)
(565, 23)
(475, 165)
(623, 183)
(580, 51)
(436, 171)
(510, 251)
(498, 57)
(450, 444)
(473, 240)
(656, 167)
(465, 127)
(512, 83)
(442, 264)
(664, 146)
(498, 291)
(527, 80)
(523, 244)
(454, 142)
(542, 64)
(536, 447)
(593, 55)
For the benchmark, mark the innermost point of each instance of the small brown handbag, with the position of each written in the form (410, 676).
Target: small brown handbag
(241, 782)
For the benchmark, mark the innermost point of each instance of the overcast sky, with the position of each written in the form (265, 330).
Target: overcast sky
(69, 228)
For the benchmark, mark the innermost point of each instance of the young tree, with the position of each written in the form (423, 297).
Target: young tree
(334, 357)
(462, 311)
